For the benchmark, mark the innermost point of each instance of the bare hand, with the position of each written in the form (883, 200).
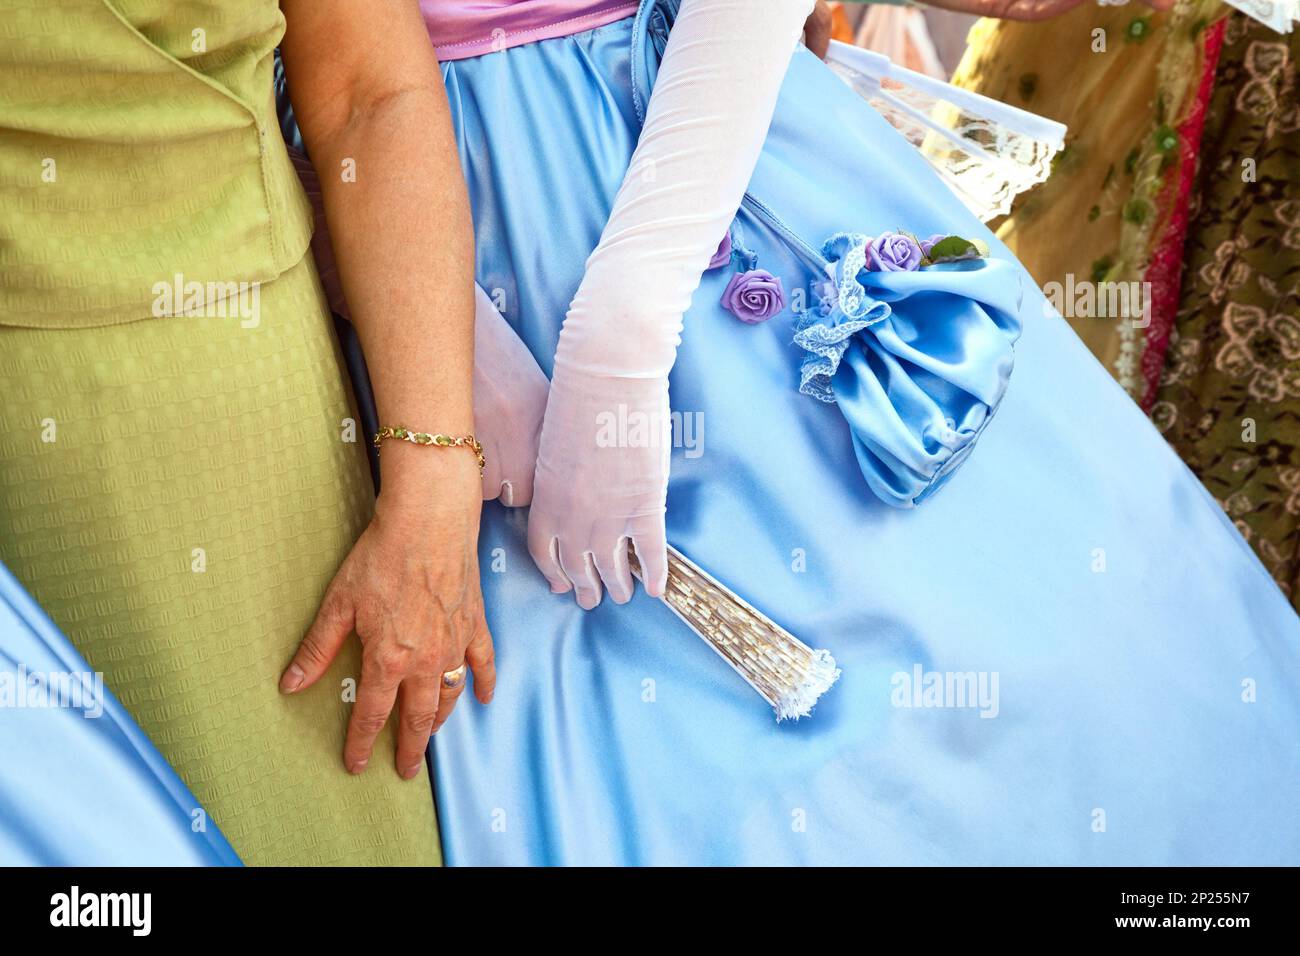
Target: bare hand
(817, 31)
(410, 590)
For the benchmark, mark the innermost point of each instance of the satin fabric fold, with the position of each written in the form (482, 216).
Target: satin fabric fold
(1139, 667)
(80, 784)
(917, 368)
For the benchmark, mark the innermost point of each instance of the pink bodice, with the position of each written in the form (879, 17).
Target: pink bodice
(465, 28)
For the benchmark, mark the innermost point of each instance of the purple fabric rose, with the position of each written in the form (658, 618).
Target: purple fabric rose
(723, 255)
(891, 252)
(928, 244)
(754, 296)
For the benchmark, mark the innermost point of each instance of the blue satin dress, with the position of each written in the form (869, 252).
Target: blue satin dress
(80, 783)
(1137, 669)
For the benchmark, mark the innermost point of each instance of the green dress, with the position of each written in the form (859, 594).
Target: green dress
(180, 475)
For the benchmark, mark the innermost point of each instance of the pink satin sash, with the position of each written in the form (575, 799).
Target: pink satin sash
(465, 28)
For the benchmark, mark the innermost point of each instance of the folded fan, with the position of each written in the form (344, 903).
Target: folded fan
(787, 673)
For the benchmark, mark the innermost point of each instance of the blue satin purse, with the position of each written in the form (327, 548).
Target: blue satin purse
(916, 360)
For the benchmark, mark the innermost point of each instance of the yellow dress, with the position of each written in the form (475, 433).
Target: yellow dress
(179, 473)
(1123, 80)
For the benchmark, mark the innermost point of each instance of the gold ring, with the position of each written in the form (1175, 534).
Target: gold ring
(454, 678)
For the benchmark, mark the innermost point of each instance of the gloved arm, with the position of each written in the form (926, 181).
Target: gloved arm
(602, 469)
(509, 400)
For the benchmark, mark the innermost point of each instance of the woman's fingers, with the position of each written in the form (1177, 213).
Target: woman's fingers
(611, 561)
(581, 570)
(545, 550)
(449, 693)
(652, 553)
(376, 694)
(424, 702)
(518, 489)
(419, 705)
(408, 636)
(512, 490)
(592, 567)
(333, 624)
(481, 658)
(493, 482)
(817, 31)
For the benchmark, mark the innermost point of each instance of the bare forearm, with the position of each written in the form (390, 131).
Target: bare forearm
(368, 95)
(405, 249)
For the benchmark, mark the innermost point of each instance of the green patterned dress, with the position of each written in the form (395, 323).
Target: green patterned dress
(1229, 396)
(179, 476)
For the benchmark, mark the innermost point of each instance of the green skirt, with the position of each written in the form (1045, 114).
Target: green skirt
(177, 493)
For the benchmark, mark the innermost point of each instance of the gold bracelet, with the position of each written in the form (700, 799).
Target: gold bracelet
(442, 441)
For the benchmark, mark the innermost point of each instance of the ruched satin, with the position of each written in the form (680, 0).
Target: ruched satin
(917, 368)
(83, 785)
(1147, 706)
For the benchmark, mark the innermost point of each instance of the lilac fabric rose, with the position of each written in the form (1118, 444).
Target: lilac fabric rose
(891, 252)
(754, 296)
(928, 244)
(723, 255)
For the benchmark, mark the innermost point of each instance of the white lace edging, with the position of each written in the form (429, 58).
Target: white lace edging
(1275, 14)
(986, 151)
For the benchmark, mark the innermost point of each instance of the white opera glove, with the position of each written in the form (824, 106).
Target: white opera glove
(509, 401)
(509, 386)
(602, 468)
